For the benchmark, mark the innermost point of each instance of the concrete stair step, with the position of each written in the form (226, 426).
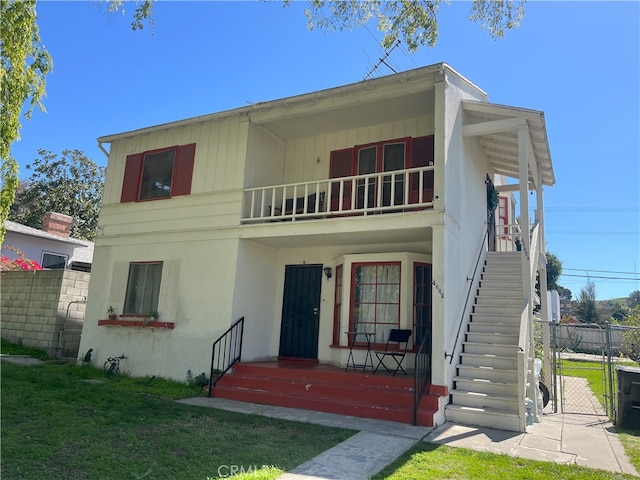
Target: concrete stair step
(498, 309)
(492, 338)
(498, 301)
(494, 327)
(484, 417)
(489, 360)
(499, 318)
(484, 400)
(490, 387)
(488, 373)
(484, 348)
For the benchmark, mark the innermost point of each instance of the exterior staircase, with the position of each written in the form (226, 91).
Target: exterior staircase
(325, 388)
(485, 389)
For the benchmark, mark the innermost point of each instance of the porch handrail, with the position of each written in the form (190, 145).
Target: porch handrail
(422, 374)
(472, 281)
(225, 353)
(268, 202)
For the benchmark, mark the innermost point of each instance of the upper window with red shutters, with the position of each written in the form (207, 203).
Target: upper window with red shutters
(158, 174)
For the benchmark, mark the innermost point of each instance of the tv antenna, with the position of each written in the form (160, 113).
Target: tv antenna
(383, 60)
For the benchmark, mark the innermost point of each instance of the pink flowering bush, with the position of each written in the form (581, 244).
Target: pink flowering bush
(19, 263)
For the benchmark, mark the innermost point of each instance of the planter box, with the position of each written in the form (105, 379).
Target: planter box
(135, 323)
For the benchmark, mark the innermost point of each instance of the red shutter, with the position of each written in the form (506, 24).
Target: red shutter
(340, 165)
(183, 170)
(131, 182)
(422, 156)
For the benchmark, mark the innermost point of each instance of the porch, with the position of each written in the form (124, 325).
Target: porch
(326, 388)
(394, 191)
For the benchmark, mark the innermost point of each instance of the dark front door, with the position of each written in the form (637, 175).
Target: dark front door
(301, 311)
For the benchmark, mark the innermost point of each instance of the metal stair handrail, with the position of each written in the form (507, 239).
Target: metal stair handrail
(225, 353)
(466, 302)
(422, 374)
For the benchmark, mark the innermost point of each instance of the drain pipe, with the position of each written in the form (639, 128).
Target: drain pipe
(106, 154)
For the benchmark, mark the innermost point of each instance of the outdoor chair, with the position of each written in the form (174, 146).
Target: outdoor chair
(396, 348)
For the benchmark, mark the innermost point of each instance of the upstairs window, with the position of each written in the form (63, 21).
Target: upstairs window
(158, 174)
(143, 288)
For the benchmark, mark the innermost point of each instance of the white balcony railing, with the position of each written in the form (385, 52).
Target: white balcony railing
(399, 190)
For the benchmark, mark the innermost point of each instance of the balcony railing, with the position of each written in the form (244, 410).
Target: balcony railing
(384, 192)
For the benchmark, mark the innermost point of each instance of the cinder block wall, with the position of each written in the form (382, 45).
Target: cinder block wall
(33, 308)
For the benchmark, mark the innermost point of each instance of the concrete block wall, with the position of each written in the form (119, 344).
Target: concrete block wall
(33, 308)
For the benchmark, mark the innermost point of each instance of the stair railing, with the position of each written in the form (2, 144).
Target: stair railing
(422, 375)
(225, 353)
(466, 302)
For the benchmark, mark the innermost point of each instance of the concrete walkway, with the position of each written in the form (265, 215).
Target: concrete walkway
(587, 440)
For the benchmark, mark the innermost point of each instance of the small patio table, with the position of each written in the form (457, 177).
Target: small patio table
(368, 359)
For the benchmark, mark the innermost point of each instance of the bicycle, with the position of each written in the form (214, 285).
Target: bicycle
(112, 366)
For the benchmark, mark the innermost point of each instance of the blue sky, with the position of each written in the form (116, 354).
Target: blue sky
(579, 62)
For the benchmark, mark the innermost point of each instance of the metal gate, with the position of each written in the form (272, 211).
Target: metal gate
(583, 365)
(69, 334)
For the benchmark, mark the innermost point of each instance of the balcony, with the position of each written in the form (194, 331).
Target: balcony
(376, 193)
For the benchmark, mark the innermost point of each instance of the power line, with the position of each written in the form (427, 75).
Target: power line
(605, 278)
(599, 271)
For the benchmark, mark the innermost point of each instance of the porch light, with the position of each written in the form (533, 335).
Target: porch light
(328, 272)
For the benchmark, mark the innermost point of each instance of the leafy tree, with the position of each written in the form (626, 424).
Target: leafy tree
(71, 185)
(565, 293)
(24, 64)
(634, 299)
(586, 308)
(554, 270)
(413, 22)
(631, 337)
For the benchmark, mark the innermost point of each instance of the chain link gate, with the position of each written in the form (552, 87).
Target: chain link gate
(591, 351)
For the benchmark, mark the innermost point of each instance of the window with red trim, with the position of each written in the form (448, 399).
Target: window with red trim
(158, 174)
(375, 299)
(384, 156)
(337, 308)
(421, 301)
(503, 215)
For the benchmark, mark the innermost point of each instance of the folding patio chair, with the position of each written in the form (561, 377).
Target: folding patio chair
(394, 349)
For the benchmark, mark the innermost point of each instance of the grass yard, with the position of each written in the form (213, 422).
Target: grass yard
(439, 462)
(56, 425)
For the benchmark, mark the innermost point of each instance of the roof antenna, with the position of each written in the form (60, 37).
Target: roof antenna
(382, 60)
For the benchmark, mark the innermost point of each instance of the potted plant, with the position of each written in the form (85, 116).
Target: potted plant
(153, 315)
(111, 313)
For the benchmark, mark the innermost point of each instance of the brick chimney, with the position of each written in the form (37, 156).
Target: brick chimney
(58, 224)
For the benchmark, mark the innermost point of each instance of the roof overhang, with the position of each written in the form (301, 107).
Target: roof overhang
(497, 127)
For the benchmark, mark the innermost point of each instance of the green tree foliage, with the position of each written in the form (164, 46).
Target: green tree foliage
(24, 64)
(631, 338)
(413, 22)
(634, 299)
(565, 293)
(71, 184)
(586, 308)
(554, 270)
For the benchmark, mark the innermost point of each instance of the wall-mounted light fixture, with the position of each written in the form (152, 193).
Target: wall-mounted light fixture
(328, 272)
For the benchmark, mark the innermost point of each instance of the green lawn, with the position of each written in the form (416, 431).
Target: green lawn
(439, 462)
(58, 425)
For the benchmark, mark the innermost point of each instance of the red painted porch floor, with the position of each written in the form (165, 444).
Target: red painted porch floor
(326, 388)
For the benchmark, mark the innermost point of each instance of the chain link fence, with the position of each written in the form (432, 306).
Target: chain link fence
(584, 360)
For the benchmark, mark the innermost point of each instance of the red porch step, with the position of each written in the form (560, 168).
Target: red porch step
(326, 388)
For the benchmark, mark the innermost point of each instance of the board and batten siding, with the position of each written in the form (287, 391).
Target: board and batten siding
(307, 159)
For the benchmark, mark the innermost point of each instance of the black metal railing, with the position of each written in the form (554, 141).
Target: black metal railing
(422, 375)
(226, 352)
(466, 302)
